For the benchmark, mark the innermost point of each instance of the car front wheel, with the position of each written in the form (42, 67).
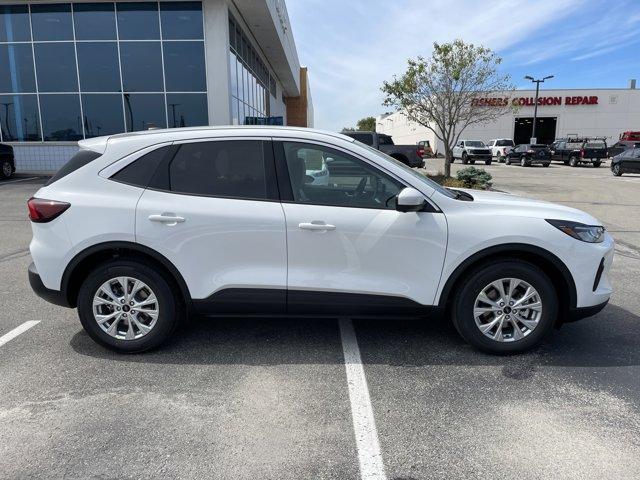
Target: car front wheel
(6, 169)
(524, 162)
(505, 307)
(127, 306)
(616, 170)
(573, 162)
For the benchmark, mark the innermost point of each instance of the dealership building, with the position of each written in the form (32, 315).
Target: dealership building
(70, 71)
(561, 113)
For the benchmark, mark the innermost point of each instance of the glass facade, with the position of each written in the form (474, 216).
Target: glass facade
(70, 71)
(250, 82)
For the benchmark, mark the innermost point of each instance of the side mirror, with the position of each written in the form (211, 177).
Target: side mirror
(410, 200)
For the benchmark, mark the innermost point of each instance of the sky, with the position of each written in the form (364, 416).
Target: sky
(352, 46)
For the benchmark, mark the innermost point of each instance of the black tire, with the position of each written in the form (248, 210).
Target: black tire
(524, 162)
(566, 162)
(546, 164)
(472, 162)
(169, 311)
(616, 169)
(573, 161)
(501, 159)
(465, 158)
(465, 296)
(6, 169)
(487, 162)
(597, 164)
(507, 160)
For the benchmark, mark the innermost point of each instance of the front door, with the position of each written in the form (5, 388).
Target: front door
(217, 217)
(348, 248)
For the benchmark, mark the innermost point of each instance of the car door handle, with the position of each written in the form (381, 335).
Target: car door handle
(166, 218)
(316, 226)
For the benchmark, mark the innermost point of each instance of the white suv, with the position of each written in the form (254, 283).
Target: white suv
(500, 148)
(140, 229)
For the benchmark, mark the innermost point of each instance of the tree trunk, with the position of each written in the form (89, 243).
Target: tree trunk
(448, 155)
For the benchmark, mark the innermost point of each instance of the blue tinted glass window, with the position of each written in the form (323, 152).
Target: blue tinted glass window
(102, 114)
(102, 75)
(14, 23)
(141, 66)
(16, 68)
(52, 21)
(187, 110)
(19, 118)
(94, 21)
(184, 66)
(61, 117)
(181, 20)
(138, 21)
(56, 66)
(144, 111)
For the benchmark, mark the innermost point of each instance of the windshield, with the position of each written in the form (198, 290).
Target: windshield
(474, 143)
(423, 178)
(504, 143)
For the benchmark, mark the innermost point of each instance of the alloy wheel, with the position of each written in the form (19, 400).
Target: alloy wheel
(507, 310)
(6, 169)
(125, 308)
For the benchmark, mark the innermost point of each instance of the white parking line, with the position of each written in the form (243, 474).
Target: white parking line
(17, 331)
(18, 180)
(364, 425)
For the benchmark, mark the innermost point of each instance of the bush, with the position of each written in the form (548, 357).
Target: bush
(472, 177)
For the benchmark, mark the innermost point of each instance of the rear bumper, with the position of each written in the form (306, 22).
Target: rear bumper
(52, 296)
(585, 312)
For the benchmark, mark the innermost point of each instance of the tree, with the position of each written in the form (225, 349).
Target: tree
(448, 92)
(367, 124)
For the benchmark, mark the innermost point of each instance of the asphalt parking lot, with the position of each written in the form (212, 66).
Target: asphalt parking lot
(270, 398)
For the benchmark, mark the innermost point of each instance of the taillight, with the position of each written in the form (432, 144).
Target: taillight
(43, 211)
(582, 152)
(531, 151)
(421, 152)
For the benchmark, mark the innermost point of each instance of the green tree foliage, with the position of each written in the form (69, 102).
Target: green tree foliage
(367, 124)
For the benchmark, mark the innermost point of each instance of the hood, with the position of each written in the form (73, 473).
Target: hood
(508, 204)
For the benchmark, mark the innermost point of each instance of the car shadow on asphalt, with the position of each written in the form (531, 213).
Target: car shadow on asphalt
(608, 339)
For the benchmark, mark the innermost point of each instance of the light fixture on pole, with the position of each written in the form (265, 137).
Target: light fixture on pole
(535, 103)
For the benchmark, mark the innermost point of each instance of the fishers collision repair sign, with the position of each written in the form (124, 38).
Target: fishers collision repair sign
(530, 101)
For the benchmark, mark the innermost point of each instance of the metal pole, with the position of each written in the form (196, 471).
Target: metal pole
(535, 109)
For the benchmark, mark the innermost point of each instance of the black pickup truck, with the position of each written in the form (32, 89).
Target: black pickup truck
(574, 151)
(410, 155)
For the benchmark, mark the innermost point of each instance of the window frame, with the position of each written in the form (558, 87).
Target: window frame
(161, 180)
(284, 180)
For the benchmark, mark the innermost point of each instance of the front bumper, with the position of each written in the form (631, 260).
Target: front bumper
(52, 296)
(584, 312)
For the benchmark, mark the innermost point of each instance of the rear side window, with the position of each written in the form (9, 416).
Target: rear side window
(384, 140)
(80, 159)
(504, 143)
(141, 171)
(595, 145)
(233, 169)
(365, 138)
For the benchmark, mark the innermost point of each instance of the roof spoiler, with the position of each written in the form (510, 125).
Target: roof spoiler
(97, 144)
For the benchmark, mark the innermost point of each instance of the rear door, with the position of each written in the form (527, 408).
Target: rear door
(214, 212)
(349, 249)
(631, 163)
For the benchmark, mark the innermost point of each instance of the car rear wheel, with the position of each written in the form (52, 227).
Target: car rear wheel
(465, 158)
(487, 162)
(127, 306)
(546, 164)
(597, 164)
(6, 171)
(505, 307)
(507, 161)
(616, 170)
(573, 162)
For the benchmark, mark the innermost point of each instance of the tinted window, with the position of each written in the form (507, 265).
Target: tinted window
(80, 159)
(475, 143)
(138, 21)
(144, 111)
(181, 20)
(102, 75)
(140, 171)
(595, 145)
(56, 64)
(19, 77)
(384, 140)
(141, 66)
(52, 21)
(322, 176)
(19, 118)
(504, 143)
(184, 66)
(365, 138)
(223, 169)
(102, 114)
(187, 110)
(61, 117)
(14, 23)
(94, 21)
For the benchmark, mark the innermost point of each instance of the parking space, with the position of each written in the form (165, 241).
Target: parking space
(270, 398)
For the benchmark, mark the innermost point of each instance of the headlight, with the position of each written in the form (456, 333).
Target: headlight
(580, 231)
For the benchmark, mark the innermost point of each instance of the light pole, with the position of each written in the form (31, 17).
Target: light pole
(535, 103)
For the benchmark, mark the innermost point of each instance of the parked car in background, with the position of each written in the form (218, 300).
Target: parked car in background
(626, 162)
(7, 161)
(500, 147)
(410, 155)
(626, 142)
(471, 150)
(424, 147)
(574, 151)
(528, 154)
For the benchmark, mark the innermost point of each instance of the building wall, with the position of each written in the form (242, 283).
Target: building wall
(299, 108)
(617, 110)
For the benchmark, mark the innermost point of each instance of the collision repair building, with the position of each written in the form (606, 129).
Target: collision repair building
(76, 70)
(561, 113)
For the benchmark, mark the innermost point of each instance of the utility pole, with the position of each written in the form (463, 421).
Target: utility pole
(535, 103)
